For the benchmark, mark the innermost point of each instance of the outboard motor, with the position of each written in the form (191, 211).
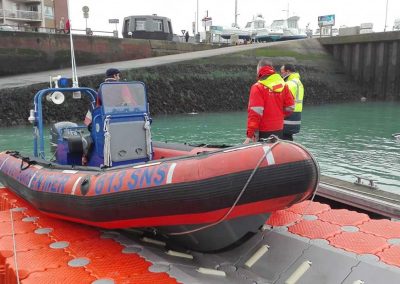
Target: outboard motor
(69, 142)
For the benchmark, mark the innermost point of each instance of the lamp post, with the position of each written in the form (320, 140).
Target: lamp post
(197, 18)
(236, 14)
(387, 3)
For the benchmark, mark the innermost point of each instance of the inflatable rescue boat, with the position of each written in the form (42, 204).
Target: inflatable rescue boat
(206, 197)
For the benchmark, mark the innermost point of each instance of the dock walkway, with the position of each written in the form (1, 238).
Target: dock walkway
(363, 197)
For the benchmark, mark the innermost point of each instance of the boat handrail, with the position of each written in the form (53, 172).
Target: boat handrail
(38, 114)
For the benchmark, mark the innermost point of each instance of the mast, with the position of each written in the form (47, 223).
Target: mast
(197, 18)
(236, 14)
(287, 11)
(73, 64)
(387, 4)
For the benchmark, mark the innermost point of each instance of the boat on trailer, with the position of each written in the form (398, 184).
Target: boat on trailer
(207, 198)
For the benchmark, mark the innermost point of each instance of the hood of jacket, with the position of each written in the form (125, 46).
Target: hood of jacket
(292, 76)
(273, 82)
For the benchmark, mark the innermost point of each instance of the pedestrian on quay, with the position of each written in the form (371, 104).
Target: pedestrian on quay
(67, 27)
(61, 26)
(292, 123)
(187, 36)
(269, 102)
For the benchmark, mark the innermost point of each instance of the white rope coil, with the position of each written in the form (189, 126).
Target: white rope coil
(107, 142)
(148, 136)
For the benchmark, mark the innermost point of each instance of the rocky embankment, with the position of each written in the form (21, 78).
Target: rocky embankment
(211, 84)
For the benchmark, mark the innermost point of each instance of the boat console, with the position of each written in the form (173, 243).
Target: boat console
(121, 125)
(118, 134)
(69, 142)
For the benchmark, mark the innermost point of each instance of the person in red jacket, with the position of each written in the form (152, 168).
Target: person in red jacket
(67, 27)
(269, 102)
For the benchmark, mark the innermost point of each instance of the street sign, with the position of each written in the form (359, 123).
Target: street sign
(328, 20)
(85, 15)
(113, 21)
(85, 9)
(183, 32)
(207, 21)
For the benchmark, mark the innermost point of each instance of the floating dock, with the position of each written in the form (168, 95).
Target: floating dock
(307, 243)
(362, 194)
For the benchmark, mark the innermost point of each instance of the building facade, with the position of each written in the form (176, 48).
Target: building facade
(33, 15)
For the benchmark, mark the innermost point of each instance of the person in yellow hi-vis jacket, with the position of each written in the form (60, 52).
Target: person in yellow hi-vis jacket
(293, 121)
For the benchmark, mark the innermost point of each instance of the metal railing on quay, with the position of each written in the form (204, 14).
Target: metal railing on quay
(22, 14)
(28, 28)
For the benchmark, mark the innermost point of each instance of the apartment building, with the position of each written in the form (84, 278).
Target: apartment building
(33, 15)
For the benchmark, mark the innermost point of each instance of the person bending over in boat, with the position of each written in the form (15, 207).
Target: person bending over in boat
(269, 102)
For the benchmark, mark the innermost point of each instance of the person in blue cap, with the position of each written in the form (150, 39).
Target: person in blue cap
(112, 75)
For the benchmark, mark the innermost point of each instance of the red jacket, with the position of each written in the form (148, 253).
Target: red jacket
(269, 102)
(68, 25)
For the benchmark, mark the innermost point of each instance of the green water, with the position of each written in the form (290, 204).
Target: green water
(346, 139)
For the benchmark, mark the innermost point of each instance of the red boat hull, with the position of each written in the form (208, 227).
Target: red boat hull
(182, 185)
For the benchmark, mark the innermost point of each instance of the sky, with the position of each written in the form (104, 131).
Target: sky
(183, 12)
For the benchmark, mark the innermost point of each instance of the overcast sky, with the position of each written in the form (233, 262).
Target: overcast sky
(182, 12)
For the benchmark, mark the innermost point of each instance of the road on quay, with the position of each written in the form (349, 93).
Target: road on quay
(97, 69)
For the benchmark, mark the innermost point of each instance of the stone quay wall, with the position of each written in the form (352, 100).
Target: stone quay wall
(27, 52)
(219, 83)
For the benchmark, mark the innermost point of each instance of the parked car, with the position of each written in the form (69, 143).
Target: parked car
(7, 28)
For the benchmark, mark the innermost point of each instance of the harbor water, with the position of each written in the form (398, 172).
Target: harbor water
(347, 139)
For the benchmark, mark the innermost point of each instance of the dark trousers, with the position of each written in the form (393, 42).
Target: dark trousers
(266, 134)
(287, 136)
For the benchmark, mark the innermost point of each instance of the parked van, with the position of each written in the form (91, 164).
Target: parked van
(147, 27)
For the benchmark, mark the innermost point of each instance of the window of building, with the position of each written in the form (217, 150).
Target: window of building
(158, 25)
(48, 12)
(259, 24)
(292, 24)
(170, 27)
(140, 24)
(126, 26)
(34, 8)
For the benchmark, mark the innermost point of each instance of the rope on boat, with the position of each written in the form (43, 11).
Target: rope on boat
(273, 138)
(27, 160)
(15, 154)
(107, 142)
(14, 247)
